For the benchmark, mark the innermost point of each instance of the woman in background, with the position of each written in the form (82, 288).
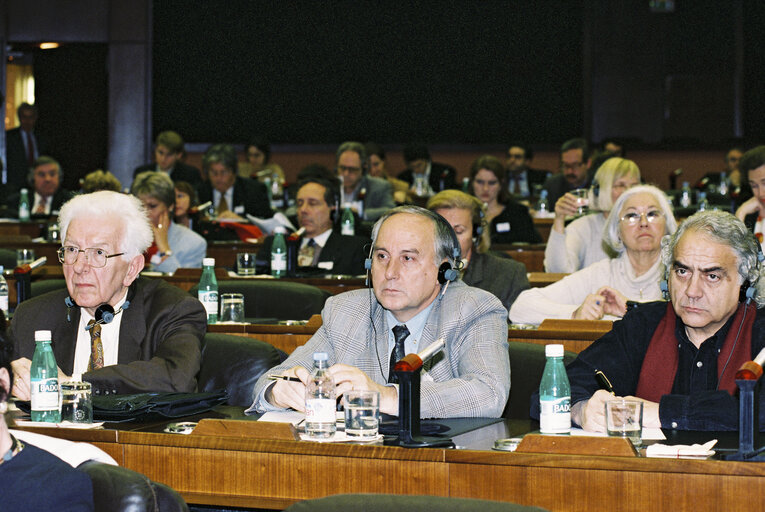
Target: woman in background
(503, 277)
(508, 220)
(634, 229)
(174, 246)
(581, 244)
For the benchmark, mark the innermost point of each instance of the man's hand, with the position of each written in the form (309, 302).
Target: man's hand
(591, 309)
(565, 206)
(21, 369)
(750, 206)
(615, 303)
(650, 412)
(349, 378)
(591, 414)
(289, 394)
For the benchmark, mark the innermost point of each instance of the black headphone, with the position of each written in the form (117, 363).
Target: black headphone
(595, 189)
(447, 271)
(104, 313)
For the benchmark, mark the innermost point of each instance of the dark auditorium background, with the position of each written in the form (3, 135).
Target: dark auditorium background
(462, 75)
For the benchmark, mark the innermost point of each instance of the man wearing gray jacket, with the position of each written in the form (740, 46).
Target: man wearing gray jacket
(412, 303)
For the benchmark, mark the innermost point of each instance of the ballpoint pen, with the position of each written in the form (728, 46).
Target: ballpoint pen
(284, 377)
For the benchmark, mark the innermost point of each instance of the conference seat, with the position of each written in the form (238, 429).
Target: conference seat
(398, 503)
(235, 363)
(118, 489)
(47, 285)
(283, 300)
(527, 363)
(8, 258)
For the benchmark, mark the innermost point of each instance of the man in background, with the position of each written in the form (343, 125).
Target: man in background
(23, 145)
(574, 166)
(168, 152)
(522, 181)
(433, 176)
(46, 196)
(368, 197)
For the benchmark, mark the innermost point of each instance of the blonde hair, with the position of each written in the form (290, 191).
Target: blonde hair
(610, 171)
(449, 199)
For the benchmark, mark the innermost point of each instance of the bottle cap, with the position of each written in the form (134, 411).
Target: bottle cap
(42, 336)
(208, 262)
(281, 230)
(320, 356)
(554, 350)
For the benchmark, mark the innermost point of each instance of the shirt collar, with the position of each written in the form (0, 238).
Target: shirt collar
(320, 240)
(415, 324)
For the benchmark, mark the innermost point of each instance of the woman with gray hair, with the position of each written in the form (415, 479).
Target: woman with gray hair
(580, 244)
(634, 230)
(174, 246)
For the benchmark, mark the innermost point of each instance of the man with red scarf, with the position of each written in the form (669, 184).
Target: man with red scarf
(680, 357)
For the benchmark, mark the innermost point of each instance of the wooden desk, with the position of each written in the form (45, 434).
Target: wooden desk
(542, 279)
(574, 335)
(544, 226)
(32, 229)
(531, 255)
(245, 472)
(225, 252)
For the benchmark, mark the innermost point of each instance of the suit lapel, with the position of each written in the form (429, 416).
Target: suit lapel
(65, 341)
(132, 327)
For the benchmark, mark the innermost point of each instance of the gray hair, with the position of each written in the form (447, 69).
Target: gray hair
(136, 235)
(611, 232)
(220, 153)
(356, 147)
(722, 228)
(612, 169)
(443, 232)
(154, 184)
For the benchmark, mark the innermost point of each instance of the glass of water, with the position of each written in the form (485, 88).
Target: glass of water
(231, 308)
(362, 415)
(624, 418)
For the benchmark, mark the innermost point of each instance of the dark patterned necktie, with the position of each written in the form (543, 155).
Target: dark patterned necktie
(400, 333)
(96, 347)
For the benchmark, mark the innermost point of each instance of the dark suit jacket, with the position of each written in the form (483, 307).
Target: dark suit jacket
(16, 159)
(59, 198)
(557, 185)
(505, 278)
(346, 253)
(516, 217)
(181, 172)
(440, 174)
(534, 177)
(160, 338)
(250, 196)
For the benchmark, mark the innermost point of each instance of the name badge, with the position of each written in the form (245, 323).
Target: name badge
(240, 209)
(326, 265)
(503, 227)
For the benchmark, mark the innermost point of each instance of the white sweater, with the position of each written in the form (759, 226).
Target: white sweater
(580, 245)
(560, 300)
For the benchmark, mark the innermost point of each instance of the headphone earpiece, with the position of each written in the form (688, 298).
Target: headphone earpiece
(69, 302)
(478, 227)
(447, 273)
(595, 189)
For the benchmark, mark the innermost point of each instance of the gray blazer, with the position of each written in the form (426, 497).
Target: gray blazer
(470, 377)
(188, 248)
(503, 277)
(378, 198)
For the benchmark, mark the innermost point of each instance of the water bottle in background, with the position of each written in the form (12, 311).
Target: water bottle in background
(269, 192)
(24, 205)
(466, 185)
(703, 201)
(279, 254)
(685, 195)
(542, 208)
(320, 403)
(44, 380)
(347, 223)
(208, 290)
(3, 293)
(723, 189)
(554, 394)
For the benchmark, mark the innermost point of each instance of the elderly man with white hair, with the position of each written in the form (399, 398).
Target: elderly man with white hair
(153, 342)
